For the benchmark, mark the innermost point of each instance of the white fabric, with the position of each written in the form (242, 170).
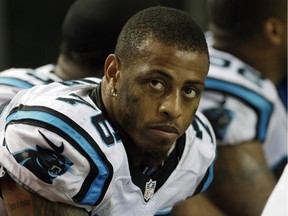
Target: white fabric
(277, 204)
(15, 79)
(84, 150)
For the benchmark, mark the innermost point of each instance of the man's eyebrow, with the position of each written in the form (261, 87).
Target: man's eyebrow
(159, 72)
(189, 82)
(195, 82)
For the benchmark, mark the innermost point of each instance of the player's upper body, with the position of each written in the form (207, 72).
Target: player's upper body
(248, 55)
(127, 145)
(68, 151)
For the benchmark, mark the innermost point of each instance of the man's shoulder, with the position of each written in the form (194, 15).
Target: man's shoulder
(203, 129)
(61, 97)
(23, 78)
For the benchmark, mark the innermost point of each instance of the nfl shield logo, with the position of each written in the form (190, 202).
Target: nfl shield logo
(149, 190)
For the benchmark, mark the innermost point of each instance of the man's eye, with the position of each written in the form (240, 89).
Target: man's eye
(157, 85)
(190, 93)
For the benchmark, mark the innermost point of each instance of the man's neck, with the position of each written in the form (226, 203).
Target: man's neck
(66, 69)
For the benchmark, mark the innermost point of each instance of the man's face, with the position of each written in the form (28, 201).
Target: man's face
(158, 95)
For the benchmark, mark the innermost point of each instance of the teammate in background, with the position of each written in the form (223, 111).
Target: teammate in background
(89, 33)
(248, 55)
(127, 145)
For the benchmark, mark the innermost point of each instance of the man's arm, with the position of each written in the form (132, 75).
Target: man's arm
(243, 180)
(196, 206)
(20, 202)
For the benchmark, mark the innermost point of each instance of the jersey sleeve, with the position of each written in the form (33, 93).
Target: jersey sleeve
(237, 101)
(15, 79)
(205, 134)
(237, 119)
(50, 153)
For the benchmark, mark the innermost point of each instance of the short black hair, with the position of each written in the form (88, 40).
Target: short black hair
(171, 26)
(240, 20)
(91, 28)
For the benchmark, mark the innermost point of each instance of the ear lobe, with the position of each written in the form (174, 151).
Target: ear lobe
(274, 30)
(112, 69)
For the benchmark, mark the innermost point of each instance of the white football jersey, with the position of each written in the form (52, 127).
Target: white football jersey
(57, 143)
(15, 79)
(277, 202)
(243, 106)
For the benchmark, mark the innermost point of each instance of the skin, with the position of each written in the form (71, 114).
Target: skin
(160, 91)
(28, 204)
(246, 177)
(196, 206)
(66, 69)
(11, 202)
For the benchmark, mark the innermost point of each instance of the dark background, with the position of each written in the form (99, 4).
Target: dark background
(30, 30)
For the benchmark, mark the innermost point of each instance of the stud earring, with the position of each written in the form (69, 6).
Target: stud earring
(113, 92)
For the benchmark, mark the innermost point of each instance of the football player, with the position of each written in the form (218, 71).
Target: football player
(134, 144)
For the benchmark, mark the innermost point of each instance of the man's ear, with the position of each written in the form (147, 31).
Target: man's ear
(112, 69)
(274, 30)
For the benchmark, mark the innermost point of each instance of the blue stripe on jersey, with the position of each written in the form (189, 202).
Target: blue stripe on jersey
(196, 127)
(98, 183)
(209, 179)
(10, 81)
(262, 106)
(163, 212)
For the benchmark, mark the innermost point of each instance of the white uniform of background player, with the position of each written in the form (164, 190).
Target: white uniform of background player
(15, 79)
(243, 106)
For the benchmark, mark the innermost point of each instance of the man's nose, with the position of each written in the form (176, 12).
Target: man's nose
(171, 106)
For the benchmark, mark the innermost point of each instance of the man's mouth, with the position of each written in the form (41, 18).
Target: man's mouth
(165, 131)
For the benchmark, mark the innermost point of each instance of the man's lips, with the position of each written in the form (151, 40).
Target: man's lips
(165, 131)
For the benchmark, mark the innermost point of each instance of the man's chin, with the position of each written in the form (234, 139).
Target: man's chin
(154, 157)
